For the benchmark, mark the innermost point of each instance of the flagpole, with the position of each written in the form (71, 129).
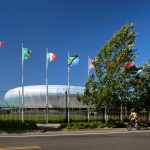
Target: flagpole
(68, 102)
(88, 67)
(46, 87)
(88, 78)
(22, 103)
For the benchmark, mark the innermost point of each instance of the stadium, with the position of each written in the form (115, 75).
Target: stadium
(35, 97)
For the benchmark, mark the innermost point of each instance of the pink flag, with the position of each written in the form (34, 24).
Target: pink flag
(92, 63)
(2, 43)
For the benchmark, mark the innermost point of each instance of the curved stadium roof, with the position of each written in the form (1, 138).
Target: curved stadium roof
(35, 96)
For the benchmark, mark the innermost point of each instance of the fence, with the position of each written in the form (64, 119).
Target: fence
(10, 109)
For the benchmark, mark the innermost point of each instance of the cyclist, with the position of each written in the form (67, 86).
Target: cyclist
(133, 118)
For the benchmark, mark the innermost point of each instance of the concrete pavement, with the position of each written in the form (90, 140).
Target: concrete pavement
(54, 130)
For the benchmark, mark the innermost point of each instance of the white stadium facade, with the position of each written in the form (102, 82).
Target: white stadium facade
(35, 96)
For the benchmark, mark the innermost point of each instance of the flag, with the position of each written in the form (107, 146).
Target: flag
(140, 71)
(73, 60)
(129, 65)
(2, 43)
(92, 62)
(51, 57)
(26, 53)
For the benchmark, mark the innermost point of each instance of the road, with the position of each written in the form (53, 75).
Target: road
(112, 141)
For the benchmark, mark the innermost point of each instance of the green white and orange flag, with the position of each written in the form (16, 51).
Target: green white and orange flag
(26, 53)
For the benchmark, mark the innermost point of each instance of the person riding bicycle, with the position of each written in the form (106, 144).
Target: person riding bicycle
(133, 118)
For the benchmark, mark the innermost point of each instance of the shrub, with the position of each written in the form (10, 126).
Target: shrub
(30, 125)
(115, 124)
(143, 125)
(13, 125)
(100, 124)
(82, 125)
(63, 125)
(112, 124)
(93, 124)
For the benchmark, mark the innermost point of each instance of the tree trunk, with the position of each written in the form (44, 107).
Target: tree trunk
(88, 113)
(126, 112)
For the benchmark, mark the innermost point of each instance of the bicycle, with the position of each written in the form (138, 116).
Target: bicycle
(132, 125)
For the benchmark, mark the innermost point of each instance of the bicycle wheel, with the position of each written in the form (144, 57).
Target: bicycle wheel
(138, 127)
(129, 127)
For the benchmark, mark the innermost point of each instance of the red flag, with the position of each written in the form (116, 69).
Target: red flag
(2, 43)
(129, 65)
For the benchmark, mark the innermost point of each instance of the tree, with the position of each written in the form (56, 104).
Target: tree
(141, 88)
(106, 86)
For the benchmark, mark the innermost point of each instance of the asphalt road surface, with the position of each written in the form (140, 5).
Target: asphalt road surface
(112, 141)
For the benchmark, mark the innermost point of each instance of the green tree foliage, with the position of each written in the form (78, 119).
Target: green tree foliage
(140, 84)
(111, 79)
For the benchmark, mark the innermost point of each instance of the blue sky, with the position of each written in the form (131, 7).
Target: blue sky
(79, 26)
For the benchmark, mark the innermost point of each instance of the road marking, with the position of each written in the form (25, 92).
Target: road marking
(19, 148)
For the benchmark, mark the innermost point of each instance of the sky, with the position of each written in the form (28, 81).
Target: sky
(79, 27)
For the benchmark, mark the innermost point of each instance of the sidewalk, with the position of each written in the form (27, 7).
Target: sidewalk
(54, 130)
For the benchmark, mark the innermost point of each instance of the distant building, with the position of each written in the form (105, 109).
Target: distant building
(35, 96)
